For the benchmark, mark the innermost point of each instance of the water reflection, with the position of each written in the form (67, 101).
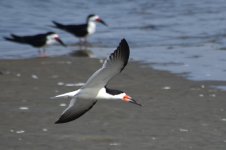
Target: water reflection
(82, 50)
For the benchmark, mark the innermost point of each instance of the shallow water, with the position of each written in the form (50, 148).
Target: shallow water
(186, 37)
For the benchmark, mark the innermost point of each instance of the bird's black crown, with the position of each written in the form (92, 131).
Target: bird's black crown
(91, 15)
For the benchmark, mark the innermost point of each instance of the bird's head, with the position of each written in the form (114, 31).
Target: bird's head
(95, 18)
(117, 94)
(53, 38)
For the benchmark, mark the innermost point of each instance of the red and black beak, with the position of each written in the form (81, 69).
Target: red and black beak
(129, 99)
(101, 21)
(60, 41)
(134, 102)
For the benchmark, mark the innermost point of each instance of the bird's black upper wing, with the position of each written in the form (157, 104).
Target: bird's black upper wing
(38, 40)
(76, 108)
(77, 30)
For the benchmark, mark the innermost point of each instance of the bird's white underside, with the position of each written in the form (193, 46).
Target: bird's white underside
(91, 27)
(102, 94)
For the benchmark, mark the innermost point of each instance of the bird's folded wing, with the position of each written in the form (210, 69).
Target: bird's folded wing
(76, 108)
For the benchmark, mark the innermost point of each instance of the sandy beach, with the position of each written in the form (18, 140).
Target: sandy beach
(176, 114)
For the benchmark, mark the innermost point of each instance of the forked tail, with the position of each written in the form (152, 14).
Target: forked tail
(14, 38)
(58, 25)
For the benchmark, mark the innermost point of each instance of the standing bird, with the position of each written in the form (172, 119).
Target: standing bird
(95, 88)
(39, 40)
(81, 30)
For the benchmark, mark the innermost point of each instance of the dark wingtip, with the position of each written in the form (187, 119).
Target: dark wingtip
(7, 38)
(124, 44)
(125, 51)
(4, 37)
(64, 120)
(58, 122)
(124, 40)
(55, 24)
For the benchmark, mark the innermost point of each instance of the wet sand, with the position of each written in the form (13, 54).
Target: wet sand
(176, 114)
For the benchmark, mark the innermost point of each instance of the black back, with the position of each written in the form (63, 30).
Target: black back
(38, 40)
(113, 91)
(77, 30)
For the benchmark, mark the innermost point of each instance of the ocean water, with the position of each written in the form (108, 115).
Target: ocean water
(185, 37)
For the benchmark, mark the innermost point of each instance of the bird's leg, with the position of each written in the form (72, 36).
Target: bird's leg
(80, 41)
(40, 52)
(85, 40)
(44, 53)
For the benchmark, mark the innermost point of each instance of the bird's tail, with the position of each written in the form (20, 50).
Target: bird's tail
(14, 38)
(58, 25)
(66, 95)
(8, 38)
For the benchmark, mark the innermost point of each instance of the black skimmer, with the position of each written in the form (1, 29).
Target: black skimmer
(83, 99)
(81, 30)
(39, 40)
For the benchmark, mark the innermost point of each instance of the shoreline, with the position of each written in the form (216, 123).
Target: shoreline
(177, 113)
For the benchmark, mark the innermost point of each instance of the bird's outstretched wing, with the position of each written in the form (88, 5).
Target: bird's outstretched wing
(76, 108)
(85, 100)
(111, 67)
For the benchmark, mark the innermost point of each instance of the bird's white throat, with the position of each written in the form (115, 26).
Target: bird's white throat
(51, 39)
(91, 27)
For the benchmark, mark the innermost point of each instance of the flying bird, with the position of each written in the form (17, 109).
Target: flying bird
(83, 99)
(38, 41)
(82, 31)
